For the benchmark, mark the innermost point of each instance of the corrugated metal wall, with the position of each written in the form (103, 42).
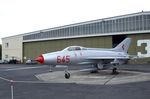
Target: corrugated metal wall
(34, 49)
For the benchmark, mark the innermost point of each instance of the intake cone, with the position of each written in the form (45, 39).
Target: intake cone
(40, 59)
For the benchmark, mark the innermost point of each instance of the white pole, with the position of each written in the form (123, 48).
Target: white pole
(12, 89)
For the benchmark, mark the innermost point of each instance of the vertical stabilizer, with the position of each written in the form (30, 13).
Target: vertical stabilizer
(124, 45)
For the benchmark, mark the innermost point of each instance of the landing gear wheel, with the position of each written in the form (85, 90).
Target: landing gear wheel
(67, 75)
(114, 71)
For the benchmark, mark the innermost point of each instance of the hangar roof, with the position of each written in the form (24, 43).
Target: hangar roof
(124, 24)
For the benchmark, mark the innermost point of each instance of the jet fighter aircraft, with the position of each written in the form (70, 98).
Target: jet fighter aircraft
(98, 58)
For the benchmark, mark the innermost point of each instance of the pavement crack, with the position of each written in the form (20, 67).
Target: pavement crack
(109, 79)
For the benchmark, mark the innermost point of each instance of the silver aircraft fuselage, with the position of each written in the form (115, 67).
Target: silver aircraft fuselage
(82, 56)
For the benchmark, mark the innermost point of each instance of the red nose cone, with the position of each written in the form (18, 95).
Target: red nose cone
(40, 59)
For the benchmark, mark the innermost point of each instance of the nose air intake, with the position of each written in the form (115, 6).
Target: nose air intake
(40, 59)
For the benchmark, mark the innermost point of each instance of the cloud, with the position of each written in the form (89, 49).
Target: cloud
(22, 16)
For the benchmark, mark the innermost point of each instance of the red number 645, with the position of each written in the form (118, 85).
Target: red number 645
(63, 59)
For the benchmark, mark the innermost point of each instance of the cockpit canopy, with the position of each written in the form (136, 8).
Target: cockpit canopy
(74, 48)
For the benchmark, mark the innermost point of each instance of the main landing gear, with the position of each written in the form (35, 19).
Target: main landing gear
(114, 71)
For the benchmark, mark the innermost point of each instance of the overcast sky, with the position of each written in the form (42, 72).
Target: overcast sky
(22, 16)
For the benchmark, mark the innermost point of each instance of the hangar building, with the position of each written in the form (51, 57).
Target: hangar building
(12, 48)
(105, 33)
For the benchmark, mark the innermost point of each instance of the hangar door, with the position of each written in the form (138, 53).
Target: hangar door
(116, 39)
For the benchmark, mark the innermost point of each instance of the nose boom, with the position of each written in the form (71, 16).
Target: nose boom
(40, 59)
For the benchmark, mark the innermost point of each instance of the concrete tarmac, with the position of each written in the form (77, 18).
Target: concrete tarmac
(27, 86)
(103, 77)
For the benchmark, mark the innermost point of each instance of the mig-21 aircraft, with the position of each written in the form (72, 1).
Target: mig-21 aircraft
(98, 58)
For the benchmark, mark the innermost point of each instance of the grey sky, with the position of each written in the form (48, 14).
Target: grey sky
(22, 16)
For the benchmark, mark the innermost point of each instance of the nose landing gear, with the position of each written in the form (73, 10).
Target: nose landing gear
(67, 74)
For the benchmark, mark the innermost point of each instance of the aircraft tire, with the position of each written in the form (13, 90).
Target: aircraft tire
(114, 71)
(67, 75)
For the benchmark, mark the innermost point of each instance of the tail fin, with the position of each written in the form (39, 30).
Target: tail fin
(124, 45)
